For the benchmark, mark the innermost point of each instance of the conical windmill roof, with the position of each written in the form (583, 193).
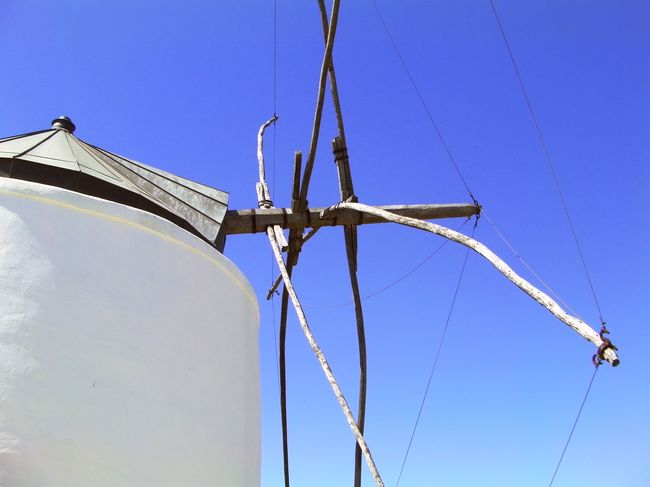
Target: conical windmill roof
(57, 158)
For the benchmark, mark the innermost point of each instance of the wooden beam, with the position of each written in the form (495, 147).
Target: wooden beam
(579, 326)
(302, 319)
(256, 220)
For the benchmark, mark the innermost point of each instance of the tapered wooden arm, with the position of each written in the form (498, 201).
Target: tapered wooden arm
(582, 328)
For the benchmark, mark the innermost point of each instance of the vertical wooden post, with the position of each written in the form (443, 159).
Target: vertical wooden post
(350, 234)
(295, 244)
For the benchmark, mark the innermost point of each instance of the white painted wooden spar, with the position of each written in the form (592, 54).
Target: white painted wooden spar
(128, 349)
(579, 326)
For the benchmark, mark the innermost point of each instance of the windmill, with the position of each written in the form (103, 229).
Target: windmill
(343, 213)
(128, 340)
(252, 220)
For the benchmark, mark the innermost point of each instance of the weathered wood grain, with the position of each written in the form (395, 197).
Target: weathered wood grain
(579, 326)
(256, 220)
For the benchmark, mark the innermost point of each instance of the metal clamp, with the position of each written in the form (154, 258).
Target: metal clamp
(599, 356)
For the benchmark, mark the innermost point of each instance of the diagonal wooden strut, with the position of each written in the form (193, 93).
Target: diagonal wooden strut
(323, 361)
(271, 231)
(579, 326)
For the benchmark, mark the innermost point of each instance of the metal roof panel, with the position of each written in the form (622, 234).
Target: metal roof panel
(49, 155)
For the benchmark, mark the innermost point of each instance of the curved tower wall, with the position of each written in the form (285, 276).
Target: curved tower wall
(128, 349)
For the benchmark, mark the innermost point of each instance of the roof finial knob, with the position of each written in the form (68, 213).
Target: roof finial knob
(63, 123)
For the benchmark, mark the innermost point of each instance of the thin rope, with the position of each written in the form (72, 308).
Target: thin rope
(566, 445)
(422, 102)
(424, 261)
(275, 333)
(526, 265)
(396, 281)
(435, 364)
(275, 84)
(275, 55)
(281, 341)
(276, 343)
(547, 156)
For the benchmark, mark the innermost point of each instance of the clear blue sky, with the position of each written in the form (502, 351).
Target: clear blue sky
(185, 85)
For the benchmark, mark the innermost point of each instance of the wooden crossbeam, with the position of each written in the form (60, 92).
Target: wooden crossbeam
(256, 220)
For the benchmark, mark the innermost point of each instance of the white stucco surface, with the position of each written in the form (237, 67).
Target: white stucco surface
(128, 349)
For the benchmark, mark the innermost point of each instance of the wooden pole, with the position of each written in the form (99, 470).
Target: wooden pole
(332, 74)
(579, 326)
(239, 222)
(295, 244)
(284, 310)
(264, 197)
(264, 201)
(271, 232)
(350, 235)
(322, 360)
(311, 155)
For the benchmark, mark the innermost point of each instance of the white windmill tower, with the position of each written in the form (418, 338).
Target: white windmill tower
(129, 352)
